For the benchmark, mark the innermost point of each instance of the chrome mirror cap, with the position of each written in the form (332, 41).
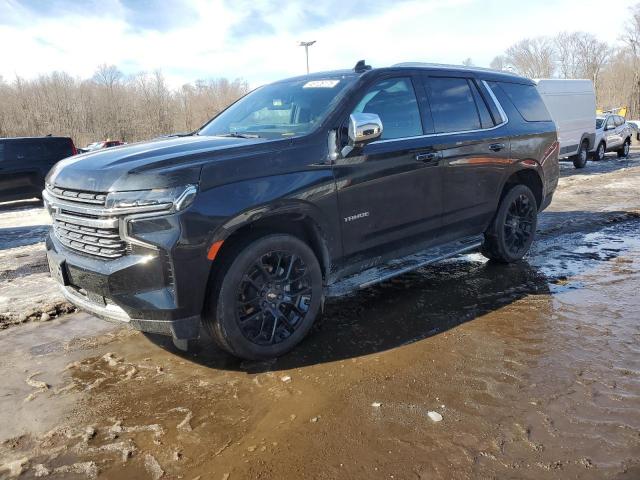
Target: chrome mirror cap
(364, 127)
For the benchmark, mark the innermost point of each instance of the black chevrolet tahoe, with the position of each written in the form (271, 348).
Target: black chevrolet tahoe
(304, 189)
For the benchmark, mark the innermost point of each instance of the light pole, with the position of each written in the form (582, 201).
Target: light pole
(306, 46)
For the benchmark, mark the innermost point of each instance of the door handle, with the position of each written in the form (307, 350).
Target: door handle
(429, 158)
(496, 147)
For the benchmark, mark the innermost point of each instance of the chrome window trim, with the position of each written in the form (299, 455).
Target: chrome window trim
(505, 119)
(503, 114)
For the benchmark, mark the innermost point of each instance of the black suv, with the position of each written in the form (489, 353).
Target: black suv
(307, 188)
(25, 161)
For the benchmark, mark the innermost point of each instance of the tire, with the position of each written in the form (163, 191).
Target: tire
(265, 299)
(624, 151)
(512, 230)
(598, 155)
(580, 159)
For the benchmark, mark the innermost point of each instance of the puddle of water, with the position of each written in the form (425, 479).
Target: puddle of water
(534, 368)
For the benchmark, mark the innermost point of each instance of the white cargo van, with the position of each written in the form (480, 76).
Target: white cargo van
(572, 105)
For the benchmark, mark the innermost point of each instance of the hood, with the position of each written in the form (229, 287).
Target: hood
(160, 163)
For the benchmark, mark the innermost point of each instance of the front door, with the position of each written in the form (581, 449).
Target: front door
(389, 191)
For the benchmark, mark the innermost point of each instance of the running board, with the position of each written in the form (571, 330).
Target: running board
(402, 265)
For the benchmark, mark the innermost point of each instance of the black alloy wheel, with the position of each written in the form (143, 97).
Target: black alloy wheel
(273, 298)
(513, 229)
(265, 296)
(518, 225)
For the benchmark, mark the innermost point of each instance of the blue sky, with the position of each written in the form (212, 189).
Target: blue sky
(257, 40)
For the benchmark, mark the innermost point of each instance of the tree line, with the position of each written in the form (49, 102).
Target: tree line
(615, 72)
(110, 105)
(142, 106)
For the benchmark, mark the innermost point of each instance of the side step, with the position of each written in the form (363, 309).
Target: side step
(398, 266)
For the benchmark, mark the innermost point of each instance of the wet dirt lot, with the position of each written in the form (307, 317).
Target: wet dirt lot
(534, 368)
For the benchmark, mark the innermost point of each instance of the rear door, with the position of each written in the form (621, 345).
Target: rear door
(611, 135)
(621, 129)
(389, 191)
(473, 140)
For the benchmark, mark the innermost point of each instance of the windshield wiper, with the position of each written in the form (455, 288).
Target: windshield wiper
(238, 135)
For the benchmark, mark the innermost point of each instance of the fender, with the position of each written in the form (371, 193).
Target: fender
(591, 141)
(309, 194)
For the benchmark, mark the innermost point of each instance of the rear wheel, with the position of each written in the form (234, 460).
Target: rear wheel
(510, 235)
(624, 151)
(600, 151)
(266, 298)
(580, 159)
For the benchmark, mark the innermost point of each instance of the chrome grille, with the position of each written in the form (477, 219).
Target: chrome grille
(104, 242)
(77, 195)
(85, 228)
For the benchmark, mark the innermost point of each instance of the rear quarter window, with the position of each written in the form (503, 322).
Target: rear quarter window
(59, 148)
(527, 101)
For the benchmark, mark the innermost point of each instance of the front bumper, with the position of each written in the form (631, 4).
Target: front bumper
(182, 329)
(149, 291)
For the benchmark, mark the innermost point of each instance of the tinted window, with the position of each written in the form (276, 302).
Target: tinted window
(59, 148)
(394, 100)
(1, 152)
(452, 105)
(619, 120)
(31, 151)
(610, 123)
(485, 116)
(527, 101)
(599, 122)
(493, 108)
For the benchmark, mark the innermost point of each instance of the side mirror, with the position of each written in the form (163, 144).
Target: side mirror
(364, 128)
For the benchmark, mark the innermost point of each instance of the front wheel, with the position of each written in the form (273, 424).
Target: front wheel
(266, 298)
(580, 159)
(624, 151)
(509, 236)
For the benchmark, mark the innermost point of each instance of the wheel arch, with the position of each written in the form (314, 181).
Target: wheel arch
(299, 219)
(590, 138)
(525, 176)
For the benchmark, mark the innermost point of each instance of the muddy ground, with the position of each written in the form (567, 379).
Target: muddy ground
(533, 367)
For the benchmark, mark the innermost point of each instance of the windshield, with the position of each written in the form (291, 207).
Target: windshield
(284, 109)
(599, 122)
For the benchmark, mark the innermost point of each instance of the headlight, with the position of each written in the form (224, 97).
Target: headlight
(172, 199)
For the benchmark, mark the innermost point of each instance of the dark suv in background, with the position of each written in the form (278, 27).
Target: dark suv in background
(25, 161)
(310, 187)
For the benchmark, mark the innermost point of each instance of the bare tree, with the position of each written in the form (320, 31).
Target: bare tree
(581, 55)
(468, 62)
(632, 40)
(532, 57)
(566, 54)
(499, 63)
(110, 105)
(107, 75)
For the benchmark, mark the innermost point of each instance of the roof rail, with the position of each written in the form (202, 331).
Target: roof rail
(447, 65)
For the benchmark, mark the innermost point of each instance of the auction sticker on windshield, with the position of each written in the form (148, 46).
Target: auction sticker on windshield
(321, 84)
